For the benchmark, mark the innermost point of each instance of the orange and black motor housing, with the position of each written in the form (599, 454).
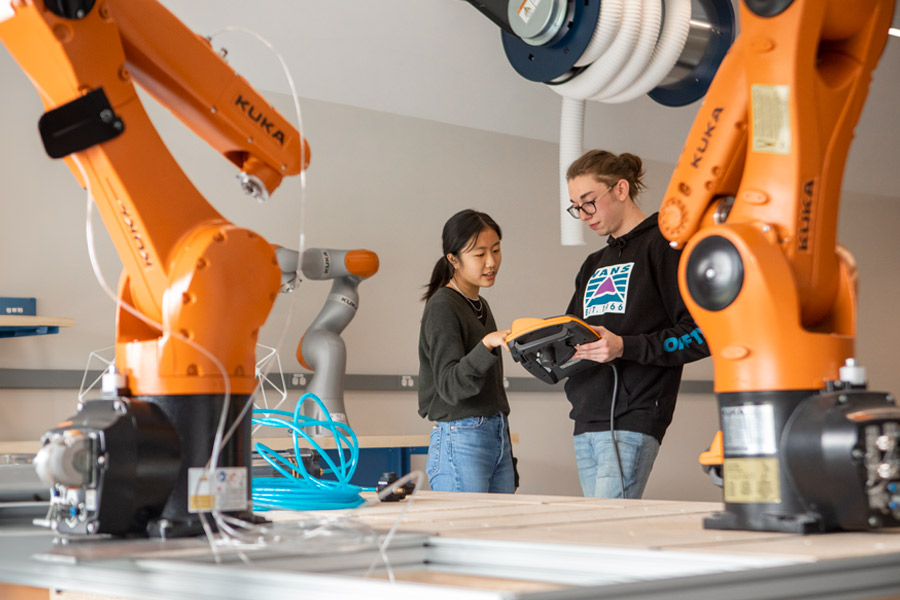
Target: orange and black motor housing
(809, 461)
(112, 468)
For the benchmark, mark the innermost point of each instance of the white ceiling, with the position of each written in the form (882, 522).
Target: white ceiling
(442, 60)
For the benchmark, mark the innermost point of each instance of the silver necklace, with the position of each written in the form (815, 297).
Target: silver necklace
(477, 305)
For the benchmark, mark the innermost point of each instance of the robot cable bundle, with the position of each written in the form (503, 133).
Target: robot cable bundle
(299, 490)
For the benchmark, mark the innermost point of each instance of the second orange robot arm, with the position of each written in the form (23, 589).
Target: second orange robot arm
(773, 133)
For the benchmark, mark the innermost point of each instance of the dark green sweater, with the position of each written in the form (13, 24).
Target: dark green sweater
(458, 376)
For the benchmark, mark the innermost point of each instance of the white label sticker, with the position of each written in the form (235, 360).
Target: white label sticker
(222, 489)
(771, 119)
(527, 8)
(749, 430)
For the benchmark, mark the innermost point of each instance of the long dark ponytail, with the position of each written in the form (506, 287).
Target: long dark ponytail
(459, 231)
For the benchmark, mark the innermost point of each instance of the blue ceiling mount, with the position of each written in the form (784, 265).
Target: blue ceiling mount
(546, 63)
(693, 86)
(555, 62)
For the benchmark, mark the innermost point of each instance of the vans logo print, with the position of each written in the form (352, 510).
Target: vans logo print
(607, 290)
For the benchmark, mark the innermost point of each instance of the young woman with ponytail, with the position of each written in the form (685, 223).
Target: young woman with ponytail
(460, 367)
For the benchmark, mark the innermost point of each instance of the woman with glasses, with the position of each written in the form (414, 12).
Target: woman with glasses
(460, 367)
(628, 293)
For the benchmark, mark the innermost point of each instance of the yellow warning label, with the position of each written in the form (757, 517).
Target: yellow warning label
(198, 502)
(751, 480)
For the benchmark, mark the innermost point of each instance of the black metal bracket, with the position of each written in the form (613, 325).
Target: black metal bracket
(80, 124)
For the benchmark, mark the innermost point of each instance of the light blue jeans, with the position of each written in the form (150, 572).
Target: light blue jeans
(598, 469)
(471, 455)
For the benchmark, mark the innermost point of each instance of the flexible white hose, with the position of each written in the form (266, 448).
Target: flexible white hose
(571, 144)
(628, 55)
(223, 436)
(600, 72)
(671, 42)
(607, 24)
(649, 33)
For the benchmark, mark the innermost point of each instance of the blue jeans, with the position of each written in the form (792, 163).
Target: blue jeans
(598, 469)
(471, 455)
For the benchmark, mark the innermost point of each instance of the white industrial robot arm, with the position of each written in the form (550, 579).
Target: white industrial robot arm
(321, 349)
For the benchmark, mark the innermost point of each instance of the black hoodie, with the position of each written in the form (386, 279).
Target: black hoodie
(631, 288)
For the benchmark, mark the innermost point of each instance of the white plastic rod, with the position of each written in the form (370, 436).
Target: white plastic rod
(571, 145)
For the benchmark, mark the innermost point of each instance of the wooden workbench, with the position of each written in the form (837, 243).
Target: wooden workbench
(547, 521)
(643, 524)
(570, 526)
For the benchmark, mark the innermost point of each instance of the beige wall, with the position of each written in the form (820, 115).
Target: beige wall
(386, 183)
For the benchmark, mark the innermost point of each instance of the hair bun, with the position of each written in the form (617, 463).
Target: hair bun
(634, 163)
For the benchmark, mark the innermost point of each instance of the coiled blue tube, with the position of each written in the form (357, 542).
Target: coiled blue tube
(297, 489)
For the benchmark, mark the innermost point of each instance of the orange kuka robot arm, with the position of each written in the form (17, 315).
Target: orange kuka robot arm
(185, 266)
(754, 196)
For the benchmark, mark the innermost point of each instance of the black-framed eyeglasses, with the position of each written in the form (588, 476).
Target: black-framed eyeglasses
(589, 207)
